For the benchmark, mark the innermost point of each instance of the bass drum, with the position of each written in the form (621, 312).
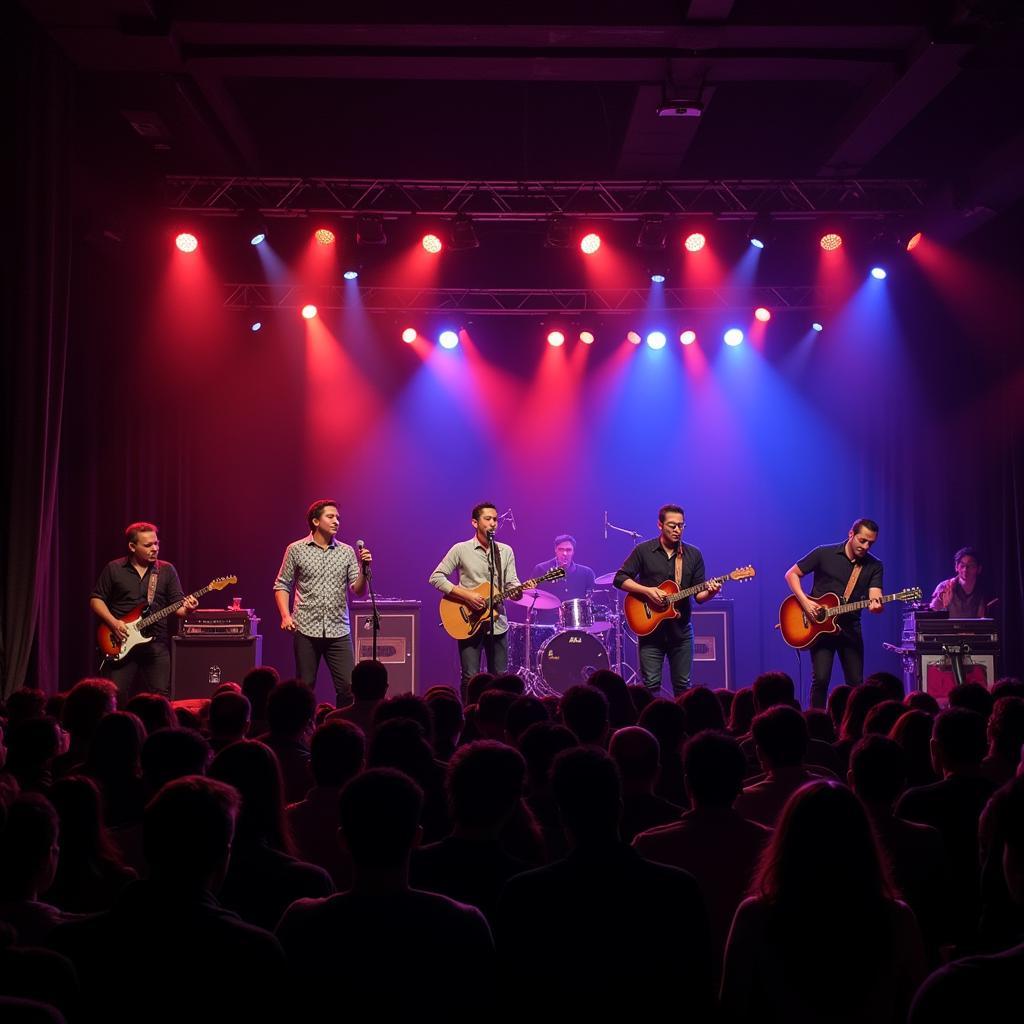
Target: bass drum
(571, 657)
(517, 645)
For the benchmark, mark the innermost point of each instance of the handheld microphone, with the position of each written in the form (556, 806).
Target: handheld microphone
(606, 526)
(365, 565)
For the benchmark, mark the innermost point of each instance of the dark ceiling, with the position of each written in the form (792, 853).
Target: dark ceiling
(875, 89)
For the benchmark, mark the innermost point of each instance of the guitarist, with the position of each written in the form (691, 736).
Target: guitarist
(653, 562)
(125, 583)
(834, 566)
(470, 559)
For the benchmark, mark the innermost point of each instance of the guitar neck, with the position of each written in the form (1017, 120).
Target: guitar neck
(524, 585)
(696, 588)
(172, 608)
(856, 606)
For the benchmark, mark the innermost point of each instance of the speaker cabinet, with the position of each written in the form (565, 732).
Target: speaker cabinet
(196, 662)
(713, 645)
(397, 640)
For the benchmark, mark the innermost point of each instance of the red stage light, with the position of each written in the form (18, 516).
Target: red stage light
(186, 242)
(688, 337)
(556, 339)
(589, 244)
(762, 314)
(831, 241)
(409, 335)
(309, 311)
(633, 338)
(325, 236)
(695, 242)
(432, 244)
(914, 242)
(587, 337)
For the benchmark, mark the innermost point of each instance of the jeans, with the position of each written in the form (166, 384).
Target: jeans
(849, 645)
(470, 652)
(146, 669)
(336, 651)
(674, 642)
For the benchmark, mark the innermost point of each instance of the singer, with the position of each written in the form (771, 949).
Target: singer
(471, 558)
(577, 582)
(320, 571)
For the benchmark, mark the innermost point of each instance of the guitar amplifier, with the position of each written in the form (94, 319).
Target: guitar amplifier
(397, 640)
(713, 656)
(219, 622)
(199, 664)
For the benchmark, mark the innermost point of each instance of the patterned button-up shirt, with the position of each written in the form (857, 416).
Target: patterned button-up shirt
(319, 578)
(470, 558)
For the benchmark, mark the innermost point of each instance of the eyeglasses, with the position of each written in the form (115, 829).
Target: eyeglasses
(675, 526)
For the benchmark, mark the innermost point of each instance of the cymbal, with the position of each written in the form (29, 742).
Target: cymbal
(606, 580)
(540, 600)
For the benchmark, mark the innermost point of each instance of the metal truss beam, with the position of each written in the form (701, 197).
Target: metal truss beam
(735, 199)
(523, 301)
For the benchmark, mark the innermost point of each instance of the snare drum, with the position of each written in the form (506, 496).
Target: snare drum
(576, 614)
(571, 657)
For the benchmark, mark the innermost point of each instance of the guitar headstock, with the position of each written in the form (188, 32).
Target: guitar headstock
(910, 594)
(223, 581)
(554, 574)
(746, 572)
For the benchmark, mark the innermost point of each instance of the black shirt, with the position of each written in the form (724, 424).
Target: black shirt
(649, 565)
(577, 582)
(832, 571)
(121, 589)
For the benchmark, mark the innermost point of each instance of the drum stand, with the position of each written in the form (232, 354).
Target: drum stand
(619, 626)
(534, 681)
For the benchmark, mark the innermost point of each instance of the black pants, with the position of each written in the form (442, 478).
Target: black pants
(470, 652)
(146, 669)
(849, 645)
(336, 651)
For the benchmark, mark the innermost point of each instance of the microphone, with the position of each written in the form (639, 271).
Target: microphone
(606, 526)
(365, 565)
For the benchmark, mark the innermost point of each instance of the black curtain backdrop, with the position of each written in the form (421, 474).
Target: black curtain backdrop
(110, 418)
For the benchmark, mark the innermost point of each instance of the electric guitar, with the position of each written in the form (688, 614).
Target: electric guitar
(799, 630)
(461, 622)
(642, 618)
(115, 649)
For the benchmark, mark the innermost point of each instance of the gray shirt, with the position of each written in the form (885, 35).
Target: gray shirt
(470, 558)
(319, 578)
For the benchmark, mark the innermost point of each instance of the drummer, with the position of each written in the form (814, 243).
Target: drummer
(578, 580)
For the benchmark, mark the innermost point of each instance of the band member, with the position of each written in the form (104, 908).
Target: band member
(577, 582)
(124, 584)
(651, 562)
(833, 566)
(471, 559)
(961, 596)
(320, 570)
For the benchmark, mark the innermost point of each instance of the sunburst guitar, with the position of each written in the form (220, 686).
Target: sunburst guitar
(461, 622)
(799, 630)
(116, 649)
(642, 618)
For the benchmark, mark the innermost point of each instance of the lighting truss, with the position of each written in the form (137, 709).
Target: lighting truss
(726, 199)
(524, 301)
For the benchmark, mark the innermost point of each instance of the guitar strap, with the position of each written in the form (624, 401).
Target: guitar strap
(851, 583)
(151, 591)
(679, 567)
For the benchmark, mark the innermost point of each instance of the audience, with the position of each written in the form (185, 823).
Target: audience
(290, 709)
(635, 752)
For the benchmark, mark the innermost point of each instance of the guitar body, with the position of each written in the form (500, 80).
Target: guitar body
(642, 618)
(112, 646)
(459, 620)
(798, 630)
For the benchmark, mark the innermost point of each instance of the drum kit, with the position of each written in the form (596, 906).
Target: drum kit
(589, 636)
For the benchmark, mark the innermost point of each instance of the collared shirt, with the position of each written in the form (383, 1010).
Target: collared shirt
(649, 565)
(469, 557)
(832, 569)
(577, 582)
(121, 589)
(961, 604)
(319, 578)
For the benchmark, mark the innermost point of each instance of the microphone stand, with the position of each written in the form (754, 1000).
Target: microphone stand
(375, 616)
(620, 667)
(490, 602)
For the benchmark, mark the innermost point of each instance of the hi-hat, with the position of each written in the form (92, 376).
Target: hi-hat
(538, 599)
